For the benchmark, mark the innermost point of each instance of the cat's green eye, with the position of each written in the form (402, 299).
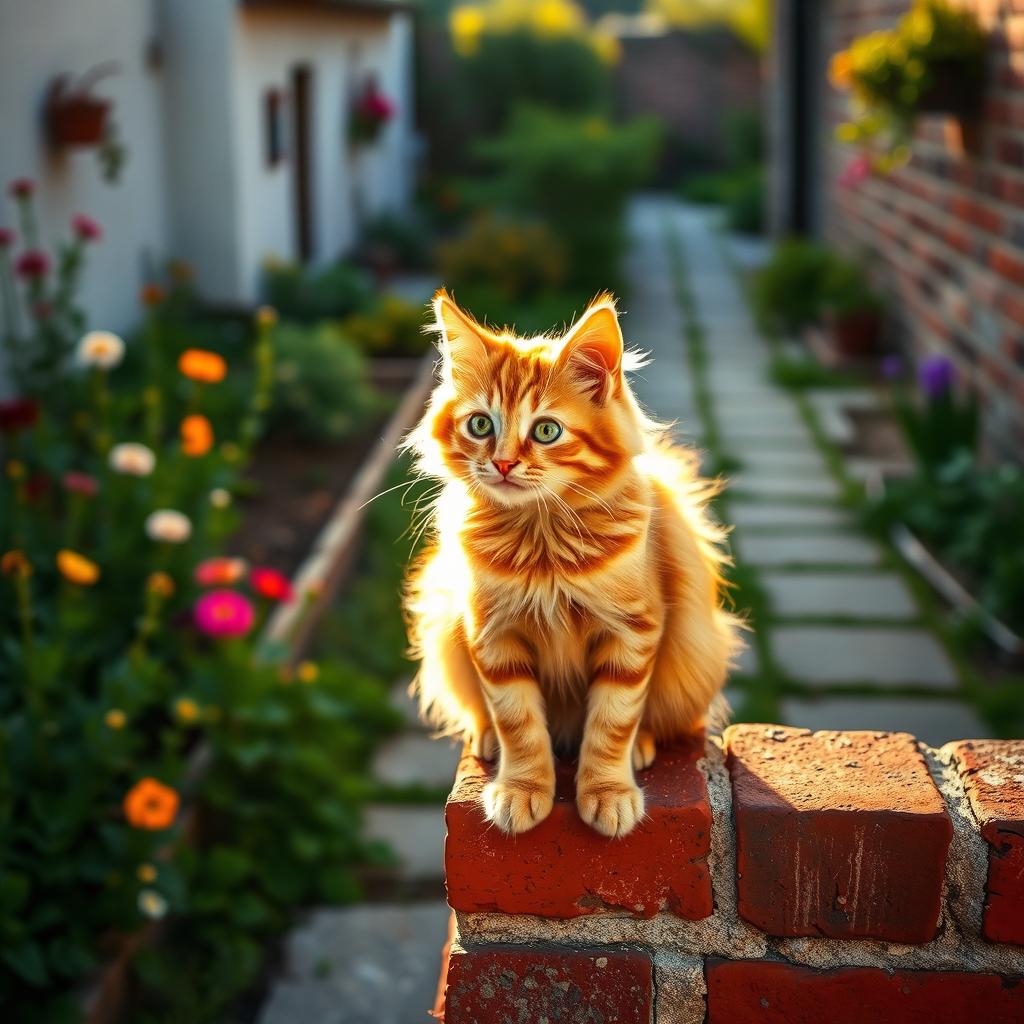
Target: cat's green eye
(480, 425)
(546, 431)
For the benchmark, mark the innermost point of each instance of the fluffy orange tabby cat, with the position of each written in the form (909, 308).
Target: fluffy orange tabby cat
(572, 593)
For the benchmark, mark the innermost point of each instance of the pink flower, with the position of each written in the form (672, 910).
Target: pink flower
(7, 238)
(81, 483)
(32, 263)
(22, 188)
(224, 613)
(86, 228)
(271, 584)
(857, 170)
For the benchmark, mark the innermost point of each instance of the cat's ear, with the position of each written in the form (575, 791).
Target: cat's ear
(592, 350)
(464, 343)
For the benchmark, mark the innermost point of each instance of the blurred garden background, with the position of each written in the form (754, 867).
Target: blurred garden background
(220, 226)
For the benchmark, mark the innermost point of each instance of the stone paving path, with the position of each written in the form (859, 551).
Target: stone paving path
(841, 647)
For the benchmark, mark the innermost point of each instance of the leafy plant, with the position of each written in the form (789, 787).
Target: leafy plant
(788, 290)
(309, 294)
(322, 388)
(394, 327)
(575, 174)
(846, 290)
(933, 59)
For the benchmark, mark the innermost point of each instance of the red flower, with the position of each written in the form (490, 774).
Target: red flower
(81, 483)
(7, 238)
(18, 414)
(271, 584)
(33, 263)
(86, 228)
(22, 188)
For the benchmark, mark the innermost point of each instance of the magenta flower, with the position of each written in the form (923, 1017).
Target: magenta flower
(32, 264)
(7, 238)
(81, 483)
(22, 188)
(857, 170)
(224, 613)
(86, 228)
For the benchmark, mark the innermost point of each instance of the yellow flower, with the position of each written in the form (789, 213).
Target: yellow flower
(115, 719)
(607, 47)
(467, 25)
(152, 904)
(307, 672)
(160, 583)
(847, 132)
(146, 873)
(14, 563)
(77, 568)
(186, 710)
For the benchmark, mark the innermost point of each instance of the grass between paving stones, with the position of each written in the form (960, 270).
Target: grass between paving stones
(998, 702)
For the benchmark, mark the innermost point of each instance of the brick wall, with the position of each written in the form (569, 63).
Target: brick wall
(947, 232)
(780, 876)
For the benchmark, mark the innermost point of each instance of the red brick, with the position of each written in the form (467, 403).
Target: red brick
(841, 834)
(563, 868)
(496, 984)
(768, 992)
(993, 775)
(1010, 266)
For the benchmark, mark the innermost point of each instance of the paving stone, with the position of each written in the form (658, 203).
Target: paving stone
(414, 758)
(807, 549)
(768, 484)
(415, 835)
(887, 657)
(933, 721)
(766, 515)
(863, 595)
(371, 964)
(785, 461)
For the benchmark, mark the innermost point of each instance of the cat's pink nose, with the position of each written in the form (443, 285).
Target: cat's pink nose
(504, 466)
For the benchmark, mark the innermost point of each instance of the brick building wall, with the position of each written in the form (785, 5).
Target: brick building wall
(946, 233)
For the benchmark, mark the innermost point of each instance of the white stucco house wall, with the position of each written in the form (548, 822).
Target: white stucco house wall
(191, 92)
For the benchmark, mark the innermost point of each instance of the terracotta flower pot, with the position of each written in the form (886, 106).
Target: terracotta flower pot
(75, 117)
(856, 334)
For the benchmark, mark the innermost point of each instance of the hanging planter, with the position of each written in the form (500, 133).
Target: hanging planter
(74, 116)
(370, 114)
(933, 62)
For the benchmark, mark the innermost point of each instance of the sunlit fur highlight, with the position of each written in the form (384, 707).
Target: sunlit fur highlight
(579, 605)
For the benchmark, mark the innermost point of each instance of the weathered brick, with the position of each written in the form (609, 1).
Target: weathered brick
(993, 776)
(769, 992)
(841, 834)
(495, 984)
(563, 868)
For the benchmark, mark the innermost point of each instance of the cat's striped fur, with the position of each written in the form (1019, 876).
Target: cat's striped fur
(577, 601)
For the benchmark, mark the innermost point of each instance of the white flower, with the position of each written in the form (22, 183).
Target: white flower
(152, 904)
(100, 348)
(132, 458)
(220, 498)
(168, 526)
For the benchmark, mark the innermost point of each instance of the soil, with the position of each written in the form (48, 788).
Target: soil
(296, 483)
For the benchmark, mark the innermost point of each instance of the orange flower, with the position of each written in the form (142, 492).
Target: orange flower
(161, 584)
(840, 70)
(14, 563)
(151, 805)
(77, 568)
(196, 435)
(152, 295)
(199, 364)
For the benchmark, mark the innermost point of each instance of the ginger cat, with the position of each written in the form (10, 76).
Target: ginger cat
(572, 593)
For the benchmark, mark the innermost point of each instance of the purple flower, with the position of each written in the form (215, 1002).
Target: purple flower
(893, 367)
(937, 375)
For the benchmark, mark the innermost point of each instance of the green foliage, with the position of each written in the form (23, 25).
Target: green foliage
(846, 290)
(517, 259)
(394, 327)
(970, 516)
(322, 388)
(391, 240)
(545, 311)
(309, 294)
(799, 372)
(565, 74)
(576, 174)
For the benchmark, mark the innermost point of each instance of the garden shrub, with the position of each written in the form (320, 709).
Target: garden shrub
(322, 388)
(307, 294)
(393, 327)
(576, 174)
(788, 291)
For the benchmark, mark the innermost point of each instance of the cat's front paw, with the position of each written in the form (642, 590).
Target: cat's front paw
(612, 808)
(517, 806)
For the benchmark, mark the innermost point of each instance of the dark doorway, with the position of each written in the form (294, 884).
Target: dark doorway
(302, 89)
(806, 88)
